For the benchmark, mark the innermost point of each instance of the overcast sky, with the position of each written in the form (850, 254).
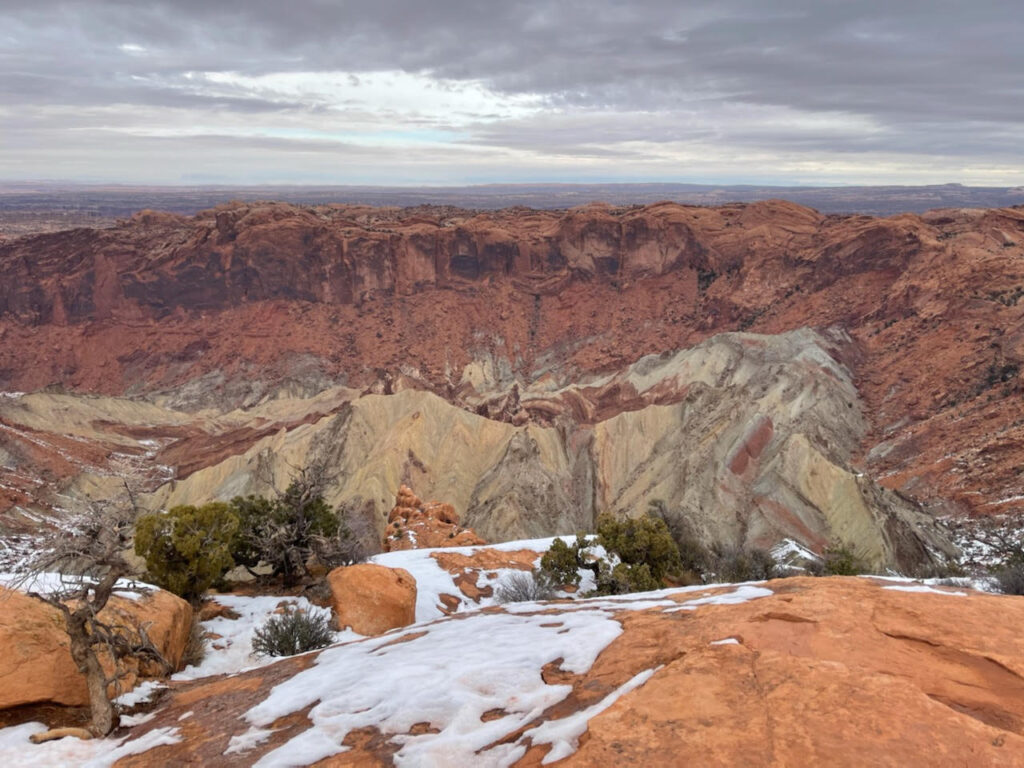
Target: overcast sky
(453, 92)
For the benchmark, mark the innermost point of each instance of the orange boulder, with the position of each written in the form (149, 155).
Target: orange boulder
(371, 599)
(36, 664)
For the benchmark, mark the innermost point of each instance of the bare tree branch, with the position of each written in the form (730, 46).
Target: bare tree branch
(76, 568)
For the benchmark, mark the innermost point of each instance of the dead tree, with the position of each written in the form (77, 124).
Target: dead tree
(77, 568)
(297, 523)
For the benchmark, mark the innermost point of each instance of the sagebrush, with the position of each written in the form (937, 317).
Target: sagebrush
(293, 631)
(525, 586)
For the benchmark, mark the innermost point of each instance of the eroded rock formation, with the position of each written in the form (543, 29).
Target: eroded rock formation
(533, 367)
(413, 524)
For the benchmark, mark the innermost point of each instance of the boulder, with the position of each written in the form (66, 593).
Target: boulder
(371, 599)
(36, 665)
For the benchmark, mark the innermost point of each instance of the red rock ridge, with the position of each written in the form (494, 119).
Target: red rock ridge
(274, 292)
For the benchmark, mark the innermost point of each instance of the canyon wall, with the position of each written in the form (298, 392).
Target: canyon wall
(764, 370)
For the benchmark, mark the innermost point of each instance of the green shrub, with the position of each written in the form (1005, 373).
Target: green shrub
(642, 544)
(1010, 579)
(1010, 573)
(253, 513)
(736, 564)
(695, 558)
(291, 632)
(284, 532)
(624, 579)
(839, 560)
(561, 563)
(641, 548)
(187, 549)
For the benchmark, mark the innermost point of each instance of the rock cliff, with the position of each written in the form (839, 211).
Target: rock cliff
(762, 369)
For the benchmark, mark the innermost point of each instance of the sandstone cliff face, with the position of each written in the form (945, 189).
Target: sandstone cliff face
(309, 320)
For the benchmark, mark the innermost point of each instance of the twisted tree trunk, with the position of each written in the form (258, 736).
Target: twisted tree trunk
(104, 718)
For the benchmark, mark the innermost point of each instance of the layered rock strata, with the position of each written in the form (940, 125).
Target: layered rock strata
(252, 328)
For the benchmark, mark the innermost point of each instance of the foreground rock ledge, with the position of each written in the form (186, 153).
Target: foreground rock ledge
(839, 671)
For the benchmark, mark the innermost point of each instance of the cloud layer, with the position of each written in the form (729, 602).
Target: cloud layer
(403, 91)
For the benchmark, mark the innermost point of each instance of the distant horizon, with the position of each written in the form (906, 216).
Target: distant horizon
(112, 201)
(57, 182)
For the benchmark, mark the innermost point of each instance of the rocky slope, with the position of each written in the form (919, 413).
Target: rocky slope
(793, 672)
(762, 370)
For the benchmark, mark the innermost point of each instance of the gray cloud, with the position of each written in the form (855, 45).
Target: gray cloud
(887, 87)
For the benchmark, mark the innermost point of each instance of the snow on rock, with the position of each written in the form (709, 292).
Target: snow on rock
(140, 694)
(477, 689)
(433, 581)
(17, 750)
(924, 588)
(244, 742)
(564, 734)
(788, 552)
(50, 583)
(229, 643)
(392, 682)
(741, 594)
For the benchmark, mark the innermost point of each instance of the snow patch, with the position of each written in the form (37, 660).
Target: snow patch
(140, 694)
(17, 750)
(924, 588)
(788, 551)
(563, 735)
(160, 737)
(251, 739)
(54, 583)
(392, 683)
(130, 721)
(741, 594)
(432, 580)
(232, 651)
